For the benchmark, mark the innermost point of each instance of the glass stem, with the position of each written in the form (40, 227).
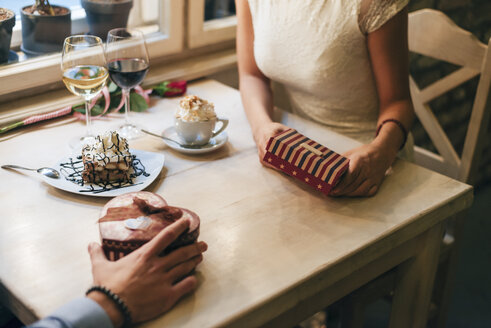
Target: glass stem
(126, 95)
(87, 118)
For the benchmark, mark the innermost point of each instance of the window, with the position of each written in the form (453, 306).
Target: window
(210, 21)
(163, 21)
(215, 9)
(163, 25)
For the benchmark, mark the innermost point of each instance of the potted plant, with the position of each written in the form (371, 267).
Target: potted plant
(104, 15)
(7, 22)
(44, 27)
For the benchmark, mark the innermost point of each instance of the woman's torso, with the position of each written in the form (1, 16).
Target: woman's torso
(316, 50)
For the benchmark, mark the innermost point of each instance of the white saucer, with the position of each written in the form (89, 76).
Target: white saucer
(214, 144)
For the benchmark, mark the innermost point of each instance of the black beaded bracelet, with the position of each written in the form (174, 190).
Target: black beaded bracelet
(399, 124)
(116, 299)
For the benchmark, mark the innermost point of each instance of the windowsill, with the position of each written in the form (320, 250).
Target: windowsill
(147, 30)
(185, 66)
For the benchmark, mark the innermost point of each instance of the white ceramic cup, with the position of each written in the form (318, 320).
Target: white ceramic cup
(198, 133)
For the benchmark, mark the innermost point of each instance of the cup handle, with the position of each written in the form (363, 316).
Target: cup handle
(224, 125)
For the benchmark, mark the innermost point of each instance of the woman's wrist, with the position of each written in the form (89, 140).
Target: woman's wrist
(391, 136)
(386, 148)
(259, 126)
(400, 126)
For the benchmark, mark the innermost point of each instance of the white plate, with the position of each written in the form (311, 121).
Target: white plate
(215, 143)
(152, 162)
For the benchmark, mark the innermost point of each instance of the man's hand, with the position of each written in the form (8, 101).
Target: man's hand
(367, 168)
(149, 284)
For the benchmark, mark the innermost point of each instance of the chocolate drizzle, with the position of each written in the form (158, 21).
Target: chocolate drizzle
(72, 171)
(117, 147)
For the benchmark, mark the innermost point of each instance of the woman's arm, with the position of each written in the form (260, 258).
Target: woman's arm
(388, 52)
(255, 88)
(389, 56)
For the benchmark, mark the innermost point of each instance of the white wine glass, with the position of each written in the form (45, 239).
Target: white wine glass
(127, 63)
(83, 64)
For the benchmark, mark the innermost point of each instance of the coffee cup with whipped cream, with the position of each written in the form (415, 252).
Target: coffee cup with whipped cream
(196, 120)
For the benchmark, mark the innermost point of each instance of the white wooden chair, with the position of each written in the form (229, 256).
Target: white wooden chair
(433, 34)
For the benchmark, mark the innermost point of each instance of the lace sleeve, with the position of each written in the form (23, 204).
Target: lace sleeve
(375, 13)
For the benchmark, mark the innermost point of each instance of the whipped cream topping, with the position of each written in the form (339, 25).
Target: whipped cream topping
(194, 109)
(108, 148)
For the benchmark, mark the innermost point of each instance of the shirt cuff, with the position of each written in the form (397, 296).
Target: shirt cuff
(80, 313)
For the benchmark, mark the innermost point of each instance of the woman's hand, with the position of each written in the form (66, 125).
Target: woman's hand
(367, 168)
(263, 134)
(388, 53)
(149, 284)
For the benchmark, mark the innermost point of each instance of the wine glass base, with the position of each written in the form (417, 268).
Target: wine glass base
(76, 144)
(130, 132)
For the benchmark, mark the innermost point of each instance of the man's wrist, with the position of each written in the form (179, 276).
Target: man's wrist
(108, 305)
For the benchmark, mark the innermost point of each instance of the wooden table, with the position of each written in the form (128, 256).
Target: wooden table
(278, 251)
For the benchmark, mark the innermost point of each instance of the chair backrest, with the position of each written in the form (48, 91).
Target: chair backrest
(433, 34)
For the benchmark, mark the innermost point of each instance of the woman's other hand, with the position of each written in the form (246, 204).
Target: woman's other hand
(367, 168)
(388, 51)
(262, 135)
(148, 283)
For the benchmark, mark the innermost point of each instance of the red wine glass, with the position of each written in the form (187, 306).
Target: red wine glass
(127, 64)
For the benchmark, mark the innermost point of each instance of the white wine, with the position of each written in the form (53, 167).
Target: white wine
(85, 80)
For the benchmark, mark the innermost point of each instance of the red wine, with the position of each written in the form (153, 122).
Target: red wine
(127, 73)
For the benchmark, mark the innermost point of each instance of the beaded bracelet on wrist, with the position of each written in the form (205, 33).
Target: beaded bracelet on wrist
(116, 300)
(399, 124)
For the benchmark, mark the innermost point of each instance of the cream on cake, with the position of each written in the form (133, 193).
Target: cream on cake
(107, 159)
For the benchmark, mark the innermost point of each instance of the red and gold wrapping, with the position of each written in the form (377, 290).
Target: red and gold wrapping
(306, 160)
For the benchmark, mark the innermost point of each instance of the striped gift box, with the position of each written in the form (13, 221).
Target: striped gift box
(304, 159)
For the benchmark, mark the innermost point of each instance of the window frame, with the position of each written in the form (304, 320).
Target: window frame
(45, 70)
(201, 33)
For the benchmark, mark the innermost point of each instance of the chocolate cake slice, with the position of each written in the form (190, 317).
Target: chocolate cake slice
(107, 160)
(132, 220)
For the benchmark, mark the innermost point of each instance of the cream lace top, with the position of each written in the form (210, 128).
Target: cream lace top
(317, 50)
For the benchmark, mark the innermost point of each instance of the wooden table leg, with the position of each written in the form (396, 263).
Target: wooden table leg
(445, 275)
(414, 283)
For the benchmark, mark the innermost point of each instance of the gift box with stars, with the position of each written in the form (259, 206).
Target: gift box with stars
(306, 160)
